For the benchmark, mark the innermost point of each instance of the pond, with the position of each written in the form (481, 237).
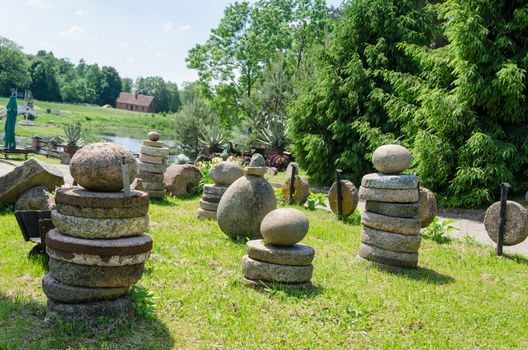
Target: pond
(129, 143)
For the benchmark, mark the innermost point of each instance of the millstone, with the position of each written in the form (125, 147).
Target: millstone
(295, 255)
(350, 197)
(391, 224)
(152, 168)
(116, 309)
(215, 189)
(153, 186)
(516, 228)
(64, 293)
(99, 228)
(156, 144)
(257, 270)
(265, 284)
(206, 214)
(428, 208)
(154, 151)
(391, 241)
(208, 206)
(151, 159)
(95, 276)
(156, 194)
(391, 159)
(301, 190)
(387, 257)
(211, 198)
(80, 197)
(150, 177)
(102, 213)
(394, 182)
(400, 210)
(387, 195)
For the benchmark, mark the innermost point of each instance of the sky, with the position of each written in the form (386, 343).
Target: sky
(138, 38)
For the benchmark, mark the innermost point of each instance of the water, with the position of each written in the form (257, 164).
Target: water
(129, 143)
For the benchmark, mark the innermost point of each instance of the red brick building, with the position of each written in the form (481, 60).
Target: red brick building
(132, 101)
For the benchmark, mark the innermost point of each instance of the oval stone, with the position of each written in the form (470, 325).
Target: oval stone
(284, 227)
(350, 197)
(64, 293)
(296, 255)
(257, 161)
(516, 228)
(428, 207)
(35, 198)
(225, 173)
(153, 136)
(391, 159)
(258, 270)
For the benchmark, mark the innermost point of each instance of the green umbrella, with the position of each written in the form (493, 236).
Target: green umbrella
(12, 111)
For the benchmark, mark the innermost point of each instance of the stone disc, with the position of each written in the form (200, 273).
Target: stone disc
(428, 207)
(211, 198)
(208, 206)
(388, 257)
(80, 197)
(152, 168)
(154, 151)
(255, 171)
(153, 186)
(145, 158)
(516, 228)
(116, 309)
(101, 213)
(206, 214)
(394, 182)
(388, 195)
(64, 293)
(295, 255)
(391, 241)
(99, 228)
(95, 276)
(301, 190)
(156, 144)
(391, 224)
(350, 197)
(150, 177)
(399, 210)
(215, 189)
(257, 270)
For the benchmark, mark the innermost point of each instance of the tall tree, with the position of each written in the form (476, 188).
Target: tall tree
(111, 87)
(44, 84)
(13, 67)
(127, 84)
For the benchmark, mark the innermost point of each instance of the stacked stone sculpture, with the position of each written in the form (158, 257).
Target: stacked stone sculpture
(391, 225)
(152, 165)
(279, 257)
(223, 174)
(98, 249)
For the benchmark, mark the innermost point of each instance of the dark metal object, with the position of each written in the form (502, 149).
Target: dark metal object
(504, 198)
(292, 183)
(339, 172)
(34, 225)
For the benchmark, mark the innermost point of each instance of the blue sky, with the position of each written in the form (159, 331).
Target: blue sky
(137, 37)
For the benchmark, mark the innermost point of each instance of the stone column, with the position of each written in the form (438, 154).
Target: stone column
(152, 165)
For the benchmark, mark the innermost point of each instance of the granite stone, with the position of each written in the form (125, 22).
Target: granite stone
(390, 224)
(64, 293)
(294, 255)
(394, 182)
(258, 270)
(387, 195)
(391, 241)
(387, 257)
(284, 226)
(350, 197)
(400, 210)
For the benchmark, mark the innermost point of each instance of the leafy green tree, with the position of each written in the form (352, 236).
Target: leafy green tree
(95, 81)
(13, 67)
(111, 87)
(127, 84)
(166, 94)
(44, 84)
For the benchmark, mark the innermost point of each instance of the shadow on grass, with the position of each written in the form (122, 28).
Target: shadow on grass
(306, 291)
(23, 326)
(39, 259)
(426, 275)
(519, 259)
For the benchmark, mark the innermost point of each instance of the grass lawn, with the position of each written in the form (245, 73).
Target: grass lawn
(461, 297)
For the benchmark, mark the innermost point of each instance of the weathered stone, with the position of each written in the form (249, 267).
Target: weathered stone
(151, 159)
(152, 168)
(391, 241)
(301, 190)
(100, 252)
(428, 208)
(80, 197)
(99, 228)
(156, 144)
(391, 224)
(206, 214)
(400, 210)
(386, 195)
(94, 276)
(150, 177)
(35, 198)
(350, 197)
(516, 228)
(391, 159)
(89, 313)
(215, 189)
(154, 151)
(153, 136)
(153, 186)
(181, 179)
(258, 270)
(29, 174)
(266, 284)
(388, 257)
(64, 293)
(255, 171)
(225, 173)
(97, 167)
(208, 206)
(137, 184)
(211, 198)
(284, 226)
(156, 194)
(102, 213)
(272, 171)
(295, 255)
(394, 182)
(257, 161)
(243, 206)
(289, 169)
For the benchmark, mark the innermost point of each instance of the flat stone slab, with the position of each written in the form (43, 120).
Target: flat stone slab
(153, 186)
(101, 252)
(265, 284)
(154, 151)
(206, 214)
(145, 158)
(150, 177)
(64, 293)
(399, 210)
(295, 255)
(391, 241)
(255, 171)
(394, 182)
(350, 197)
(155, 144)
(215, 189)
(77, 196)
(388, 195)
(152, 168)
(99, 228)
(516, 228)
(211, 198)
(89, 313)
(95, 276)
(208, 206)
(101, 213)
(258, 270)
(388, 257)
(29, 174)
(391, 224)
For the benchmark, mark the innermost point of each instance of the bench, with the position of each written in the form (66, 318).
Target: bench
(8, 151)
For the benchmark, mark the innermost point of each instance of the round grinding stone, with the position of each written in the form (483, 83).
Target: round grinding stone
(154, 144)
(211, 198)
(116, 309)
(64, 293)
(391, 224)
(350, 197)
(387, 195)
(150, 177)
(257, 270)
(388, 257)
(215, 189)
(208, 206)
(391, 241)
(79, 197)
(151, 159)
(152, 168)
(154, 151)
(400, 210)
(516, 228)
(295, 255)
(394, 182)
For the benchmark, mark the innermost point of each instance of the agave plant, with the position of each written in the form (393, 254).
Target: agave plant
(213, 138)
(73, 135)
(273, 135)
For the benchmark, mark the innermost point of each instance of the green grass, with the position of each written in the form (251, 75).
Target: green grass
(461, 297)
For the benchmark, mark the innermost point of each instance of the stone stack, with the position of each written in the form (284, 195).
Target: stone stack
(98, 249)
(391, 224)
(223, 174)
(279, 257)
(152, 165)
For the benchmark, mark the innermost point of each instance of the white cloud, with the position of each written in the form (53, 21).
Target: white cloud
(81, 12)
(168, 25)
(123, 45)
(42, 4)
(75, 32)
(183, 28)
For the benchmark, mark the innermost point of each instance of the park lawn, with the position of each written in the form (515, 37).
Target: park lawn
(461, 297)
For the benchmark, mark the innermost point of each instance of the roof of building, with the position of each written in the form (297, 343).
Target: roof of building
(135, 99)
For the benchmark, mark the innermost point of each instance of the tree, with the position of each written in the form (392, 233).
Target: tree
(13, 67)
(166, 94)
(111, 86)
(127, 84)
(44, 84)
(95, 81)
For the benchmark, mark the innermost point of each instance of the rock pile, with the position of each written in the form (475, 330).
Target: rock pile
(391, 224)
(98, 248)
(223, 174)
(152, 165)
(280, 258)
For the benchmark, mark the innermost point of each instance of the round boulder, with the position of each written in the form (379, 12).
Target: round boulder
(391, 159)
(33, 199)
(428, 208)
(350, 197)
(97, 167)
(301, 190)
(225, 173)
(153, 136)
(181, 179)
(516, 228)
(285, 226)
